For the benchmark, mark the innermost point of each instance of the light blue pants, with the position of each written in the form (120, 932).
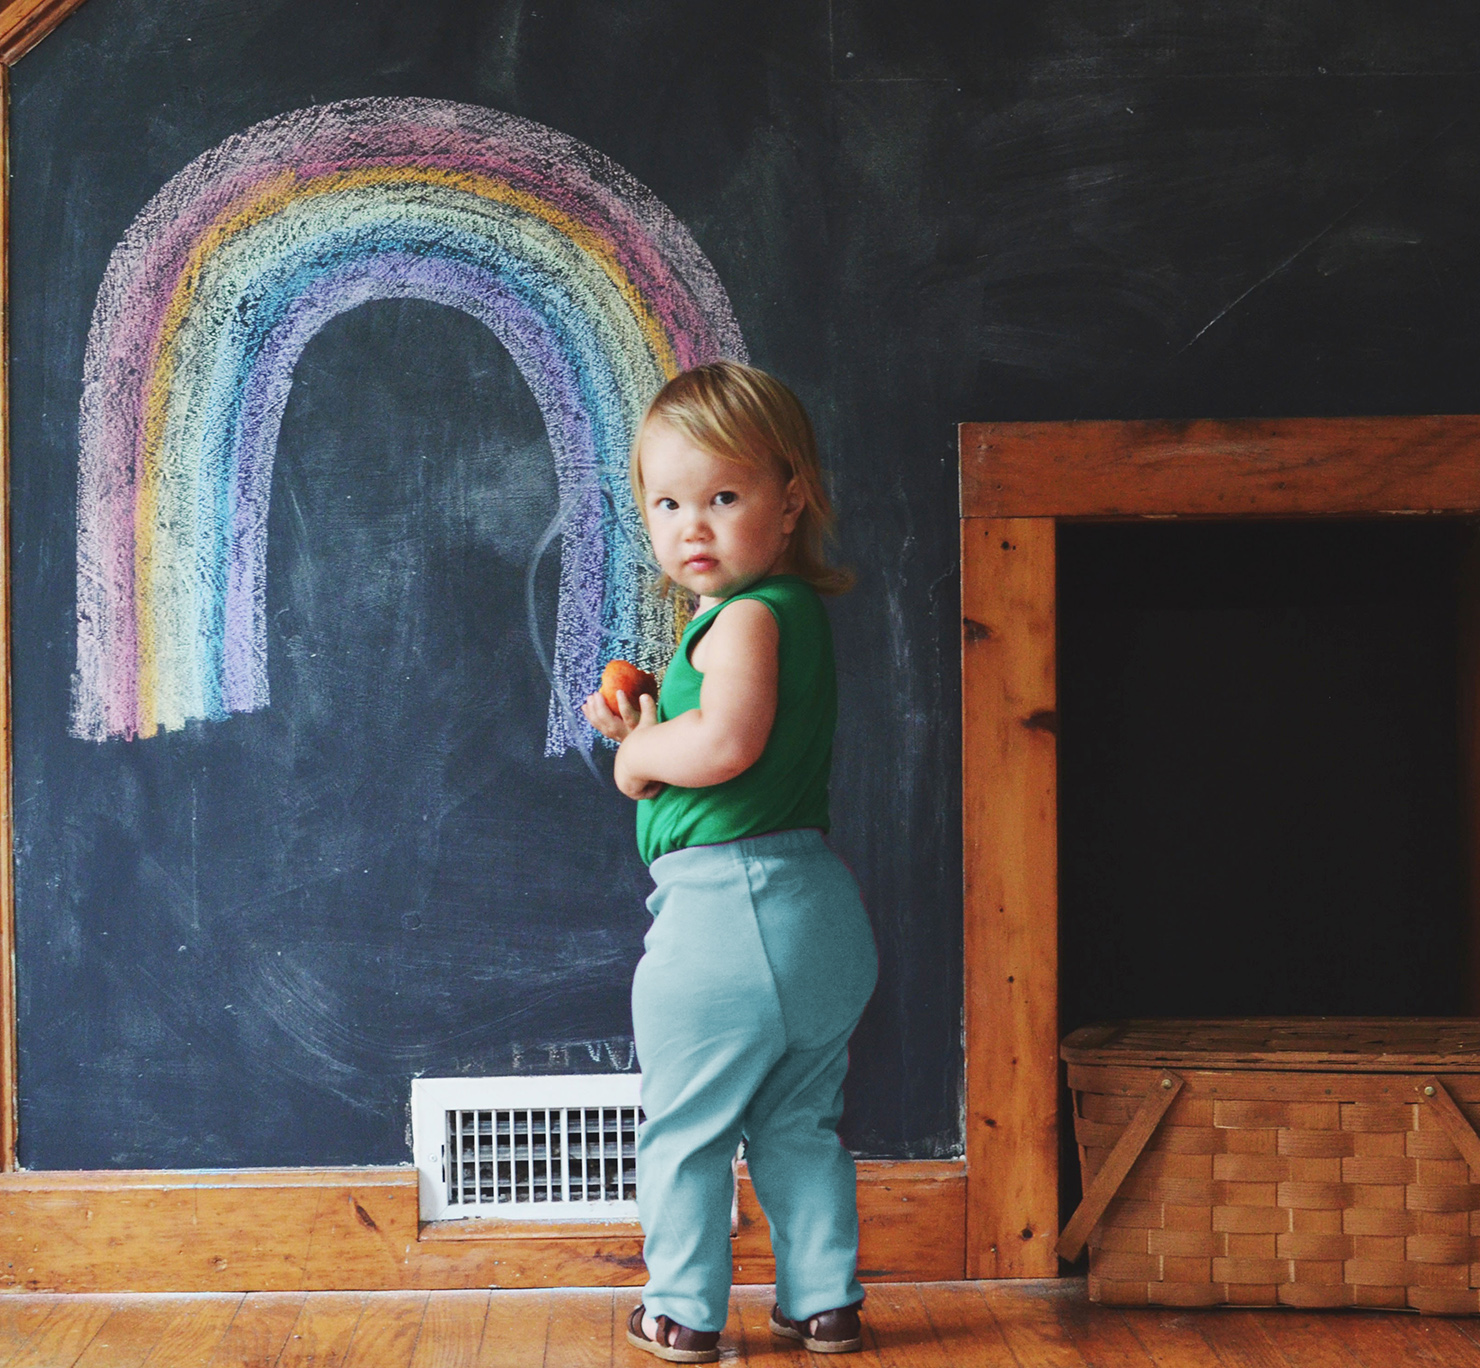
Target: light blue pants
(759, 963)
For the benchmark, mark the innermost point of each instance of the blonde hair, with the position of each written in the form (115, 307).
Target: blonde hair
(742, 414)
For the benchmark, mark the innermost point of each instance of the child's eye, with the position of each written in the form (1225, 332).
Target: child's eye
(726, 497)
(667, 505)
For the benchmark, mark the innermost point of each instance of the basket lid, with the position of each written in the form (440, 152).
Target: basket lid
(1351, 1044)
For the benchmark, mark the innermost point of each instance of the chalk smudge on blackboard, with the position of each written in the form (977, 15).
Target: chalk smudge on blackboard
(595, 288)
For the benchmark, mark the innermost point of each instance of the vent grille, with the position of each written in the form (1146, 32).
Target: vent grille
(549, 1148)
(583, 1154)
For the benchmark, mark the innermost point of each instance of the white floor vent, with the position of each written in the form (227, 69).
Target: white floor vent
(558, 1148)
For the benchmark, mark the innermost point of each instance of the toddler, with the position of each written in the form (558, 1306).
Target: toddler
(760, 959)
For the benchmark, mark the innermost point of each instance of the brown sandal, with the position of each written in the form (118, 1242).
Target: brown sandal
(675, 1343)
(828, 1332)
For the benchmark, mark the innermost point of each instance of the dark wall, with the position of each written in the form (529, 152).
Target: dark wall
(237, 943)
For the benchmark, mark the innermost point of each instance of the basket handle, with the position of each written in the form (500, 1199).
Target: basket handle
(1456, 1125)
(1133, 1139)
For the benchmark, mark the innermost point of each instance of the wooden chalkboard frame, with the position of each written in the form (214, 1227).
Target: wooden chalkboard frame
(1018, 482)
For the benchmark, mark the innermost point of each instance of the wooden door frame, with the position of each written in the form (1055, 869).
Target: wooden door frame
(1018, 481)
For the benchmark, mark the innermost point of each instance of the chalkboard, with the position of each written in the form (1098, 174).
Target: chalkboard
(239, 938)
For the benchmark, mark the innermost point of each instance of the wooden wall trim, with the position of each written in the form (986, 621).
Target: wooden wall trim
(1009, 753)
(24, 23)
(296, 1230)
(1295, 467)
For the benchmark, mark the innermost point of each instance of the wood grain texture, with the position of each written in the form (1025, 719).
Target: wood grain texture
(20, 1318)
(1022, 1324)
(1031, 1325)
(1324, 1044)
(190, 1340)
(24, 23)
(281, 1230)
(387, 1331)
(129, 1336)
(258, 1331)
(897, 1331)
(1009, 817)
(968, 1334)
(320, 1337)
(583, 1330)
(1377, 1089)
(64, 1335)
(1296, 467)
(1453, 1122)
(517, 1329)
(451, 1330)
(1127, 1149)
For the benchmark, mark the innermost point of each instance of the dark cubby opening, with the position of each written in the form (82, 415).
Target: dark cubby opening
(1259, 773)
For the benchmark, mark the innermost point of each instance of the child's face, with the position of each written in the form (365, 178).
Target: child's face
(716, 526)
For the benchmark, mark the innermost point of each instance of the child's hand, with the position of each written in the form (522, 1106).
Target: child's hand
(615, 726)
(633, 785)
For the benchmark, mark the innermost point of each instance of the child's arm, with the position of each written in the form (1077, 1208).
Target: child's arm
(722, 737)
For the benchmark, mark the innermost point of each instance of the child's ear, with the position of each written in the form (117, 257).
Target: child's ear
(795, 502)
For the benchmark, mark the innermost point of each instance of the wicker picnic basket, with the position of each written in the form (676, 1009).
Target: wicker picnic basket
(1310, 1162)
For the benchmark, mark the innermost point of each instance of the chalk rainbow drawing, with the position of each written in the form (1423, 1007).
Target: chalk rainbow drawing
(595, 288)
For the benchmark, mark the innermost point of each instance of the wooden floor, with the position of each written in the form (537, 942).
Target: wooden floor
(926, 1325)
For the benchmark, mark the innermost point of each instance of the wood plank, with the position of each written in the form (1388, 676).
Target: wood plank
(387, 1331)
(321, 1336)
(954, 1325)
(753, 1306)
(1311, 1340)
(1028, 1317)
(582, 1329)
(1386, 1339)
(258, 1331)
(897, 1330)
(64, 1334)
(1170, 1338)
(328, 1229)
(24, 23)
(1100, 1332)
(968, 1338)
(1448, 1343)
(197, 1331)
(731, 1341)
(516, 1329)
(1009, 816)
(1266, 468)
(20, 1318)
(128, 1337)
(1238, 1339)
(452, 1330)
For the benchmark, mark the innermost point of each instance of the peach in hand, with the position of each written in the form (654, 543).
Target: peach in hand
(623, 675)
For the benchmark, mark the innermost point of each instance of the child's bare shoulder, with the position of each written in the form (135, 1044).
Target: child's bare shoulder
(739, 629)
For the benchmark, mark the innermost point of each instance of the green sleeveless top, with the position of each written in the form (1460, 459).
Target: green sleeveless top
(787, 787)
